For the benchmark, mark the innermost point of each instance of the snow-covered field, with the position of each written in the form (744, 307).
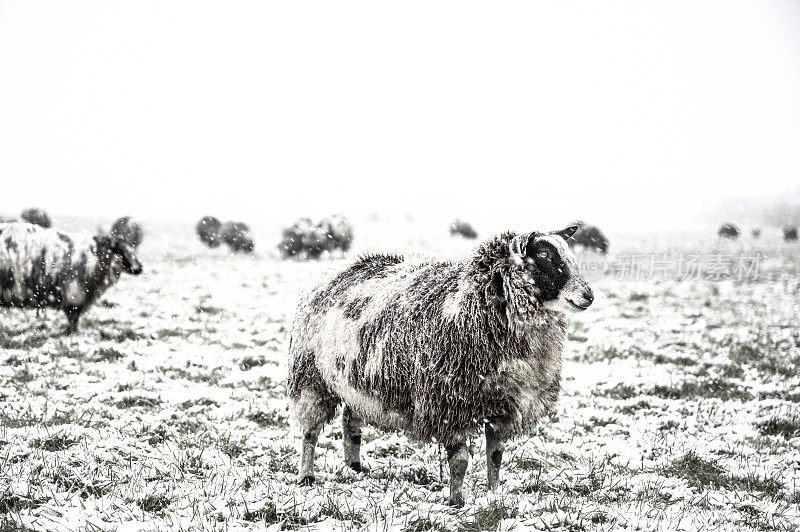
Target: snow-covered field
(168, 410)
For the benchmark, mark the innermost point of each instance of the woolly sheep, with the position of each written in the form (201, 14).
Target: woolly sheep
(48, 268)
(127, 230)
(237, 236)
(37, 217)
(590, 237)
(208, 230)
(437, 349)
(462, 229)
(307, 239)
(728, 231)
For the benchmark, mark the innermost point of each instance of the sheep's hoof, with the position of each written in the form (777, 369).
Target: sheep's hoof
(358, 468)
(307, 480)
(456, 501)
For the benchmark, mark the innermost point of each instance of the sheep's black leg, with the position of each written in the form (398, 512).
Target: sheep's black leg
(494, 455)
(458, 458)
(73, 315)
(351, 439)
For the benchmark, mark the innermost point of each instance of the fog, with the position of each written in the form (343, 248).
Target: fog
(621, 113)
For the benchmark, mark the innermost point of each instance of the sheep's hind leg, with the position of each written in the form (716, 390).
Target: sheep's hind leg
(314, 410)
(458, 458)
(494, 454)
(351, 438)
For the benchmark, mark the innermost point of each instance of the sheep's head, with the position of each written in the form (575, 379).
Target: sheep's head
(537, 271)
(117, 255)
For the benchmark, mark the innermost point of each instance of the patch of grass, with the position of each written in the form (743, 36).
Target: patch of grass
(488, 518)
(69, 480)
(620, 391)
(788, 427)
(154, 503)
(203, 401)
(270, 515)
(766, 350)
(177, 332)
(11, 503)
(702, 473)
(669, 425)
(211, 310)
(698, 472)
(250, 362)
(678, 361)
(424, 524)
(718, 388)
(283, 459)
(154, 435)
(15, 419)
(131, 401)
(54, 443)
(107, 354)
(32, 337)
(341, 512)
(270, 418)
(233, 448)
(633, 408)
(120, 335)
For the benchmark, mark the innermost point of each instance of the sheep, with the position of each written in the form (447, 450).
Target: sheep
(462, 229)
(340, 233)
(37, 217)
(237, 236)
(755, 232)
(790, 233)
(127, 230)
(590, 237)
(48, 268)
(208, 230)
(308, 239)
(728, 231)
(437, 349)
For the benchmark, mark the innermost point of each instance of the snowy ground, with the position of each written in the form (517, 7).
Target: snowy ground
(168, 410)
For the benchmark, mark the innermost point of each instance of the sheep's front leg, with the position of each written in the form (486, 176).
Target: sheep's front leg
(351, 439)
(458, 458)
(73, 315)
(494, 454)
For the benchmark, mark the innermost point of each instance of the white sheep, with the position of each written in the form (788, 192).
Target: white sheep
(437, 349)
(49, 268)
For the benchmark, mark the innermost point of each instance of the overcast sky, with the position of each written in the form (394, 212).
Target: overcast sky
(615, 112)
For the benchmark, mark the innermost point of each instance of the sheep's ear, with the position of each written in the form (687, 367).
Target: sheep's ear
(567, 233)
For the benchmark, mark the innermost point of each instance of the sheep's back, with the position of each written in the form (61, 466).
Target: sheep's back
(362, 330)
(41, 266)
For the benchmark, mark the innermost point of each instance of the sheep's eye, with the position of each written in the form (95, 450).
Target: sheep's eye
(543, 254)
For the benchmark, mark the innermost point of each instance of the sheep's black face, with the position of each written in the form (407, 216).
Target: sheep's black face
(130, 263)
(551, 271)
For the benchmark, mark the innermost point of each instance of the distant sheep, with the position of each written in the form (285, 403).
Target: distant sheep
(755, 232)
(590, 237)
(127, 230)
(237, 236)
(438, 349)
(37, 217)
(729, 231)
(790, 233)
(48, 268)
(462, 229)
(208, 230)
(307, 239)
